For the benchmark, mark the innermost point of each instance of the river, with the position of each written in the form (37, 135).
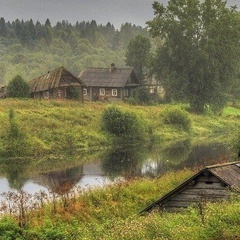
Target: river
(119, 163)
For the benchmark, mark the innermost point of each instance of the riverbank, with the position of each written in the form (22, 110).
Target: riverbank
(113, 213)
(48, 127)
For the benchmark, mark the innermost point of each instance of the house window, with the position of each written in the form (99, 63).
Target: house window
(114, 92)
(84, 91)
(102, 91)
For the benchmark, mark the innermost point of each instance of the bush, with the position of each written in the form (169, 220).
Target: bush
(177, 117)
(73, 93)
(120, 123)
(16, 141)
(9, 229)
(18, 88)
(142, 95)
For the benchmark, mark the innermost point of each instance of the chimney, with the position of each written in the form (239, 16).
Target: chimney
(112, 68)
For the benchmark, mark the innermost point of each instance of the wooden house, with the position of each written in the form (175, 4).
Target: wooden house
(212, 183)
(3, 91)
(55, 84)
(111, 84)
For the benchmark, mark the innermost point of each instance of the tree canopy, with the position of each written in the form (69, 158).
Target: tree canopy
(31, 48)
(137, 54)
(18, 88)
(200, 52)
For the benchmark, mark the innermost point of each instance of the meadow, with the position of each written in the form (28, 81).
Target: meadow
(112, 212)
(47, 127)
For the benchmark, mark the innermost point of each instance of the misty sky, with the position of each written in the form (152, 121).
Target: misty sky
(103, 11)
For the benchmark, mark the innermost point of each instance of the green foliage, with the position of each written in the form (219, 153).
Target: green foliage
(137, 55)
(18, 88)
(9, 230)
(16, 141)
(143, 96)
(113, 213)
(177, 117)
(73, 93)
(58, 126)
(121, 123)
(193, 32)
(29, 48)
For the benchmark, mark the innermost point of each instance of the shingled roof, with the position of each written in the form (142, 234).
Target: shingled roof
(53, 79)
(228, 174)
(105, 77)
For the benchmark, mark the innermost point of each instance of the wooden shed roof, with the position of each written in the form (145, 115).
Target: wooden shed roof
(228, 173)
(105, 77)
(52, 80)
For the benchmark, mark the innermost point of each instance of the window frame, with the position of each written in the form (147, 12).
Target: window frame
(84, 91)
(102, 91)
(114, 92)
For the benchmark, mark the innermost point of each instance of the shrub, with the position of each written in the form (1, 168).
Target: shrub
(121, 123)
(9, 229)
(73, 93)
(177, 117)
(16, 141)
(143, 96)
(18, 88)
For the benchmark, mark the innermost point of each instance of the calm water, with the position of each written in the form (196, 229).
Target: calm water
(106, 167)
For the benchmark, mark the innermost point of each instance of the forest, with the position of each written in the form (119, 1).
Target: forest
(191, 49)
(32, 49)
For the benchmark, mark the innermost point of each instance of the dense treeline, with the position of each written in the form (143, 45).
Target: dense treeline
(194, 52)
(30, 49)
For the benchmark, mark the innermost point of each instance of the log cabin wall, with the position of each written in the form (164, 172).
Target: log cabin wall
(199, 189)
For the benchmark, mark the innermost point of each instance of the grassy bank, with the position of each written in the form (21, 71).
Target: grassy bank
(113, 213)
(60, 126)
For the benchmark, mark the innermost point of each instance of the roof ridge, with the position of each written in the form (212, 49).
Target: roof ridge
(61, 68)
(107, 68)
(222, 164)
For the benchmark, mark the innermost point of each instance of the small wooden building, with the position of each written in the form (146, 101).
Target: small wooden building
(212, 183)
(3, 91)
(111, 84)
(55, 85)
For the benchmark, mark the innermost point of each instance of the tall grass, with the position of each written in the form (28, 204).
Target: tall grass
(57, 126)
(113, 213)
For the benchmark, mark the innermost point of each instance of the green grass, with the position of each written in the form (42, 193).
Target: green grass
(57, 126)
(113, 213)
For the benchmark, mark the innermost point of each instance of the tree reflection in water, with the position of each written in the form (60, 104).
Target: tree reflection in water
(15, 171)
(123, 161)
(183, 155)
(62, 181)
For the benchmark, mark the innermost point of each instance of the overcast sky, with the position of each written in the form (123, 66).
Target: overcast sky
(103, 11)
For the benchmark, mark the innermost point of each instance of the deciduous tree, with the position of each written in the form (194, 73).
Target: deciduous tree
(18, 88)
(137, 54)
(200, 51)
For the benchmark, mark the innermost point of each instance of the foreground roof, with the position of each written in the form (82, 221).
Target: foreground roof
(228, 173)
(105, 77)
(52, 80)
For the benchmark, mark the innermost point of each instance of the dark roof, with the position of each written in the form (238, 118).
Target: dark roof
(52, 80)
(105, 77)
(228, 173)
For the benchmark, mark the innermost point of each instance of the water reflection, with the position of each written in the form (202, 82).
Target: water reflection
(15, 173)
(62, 181)
(121, 162)
(183, 155)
